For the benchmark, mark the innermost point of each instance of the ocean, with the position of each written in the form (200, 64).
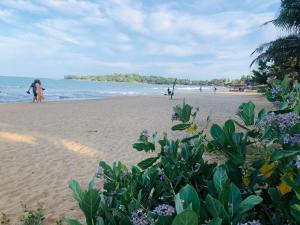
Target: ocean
(13, 89)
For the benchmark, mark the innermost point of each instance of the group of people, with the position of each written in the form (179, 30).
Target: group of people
(37, 91)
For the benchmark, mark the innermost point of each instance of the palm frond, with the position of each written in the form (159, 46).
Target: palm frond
(279, 50)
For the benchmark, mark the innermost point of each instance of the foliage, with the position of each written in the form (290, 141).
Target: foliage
(136, 78)
(4, 219)
(32, 217)
(284, 52)
(177, 186)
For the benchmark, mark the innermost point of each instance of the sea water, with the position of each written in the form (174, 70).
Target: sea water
(13, 89)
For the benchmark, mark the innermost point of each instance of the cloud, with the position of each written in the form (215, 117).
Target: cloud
(182, 38)
(73, 7)
(24, 5)
(7, 16)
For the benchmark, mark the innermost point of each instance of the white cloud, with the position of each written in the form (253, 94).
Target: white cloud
(24, 5)
(6, 16)
(73, 7)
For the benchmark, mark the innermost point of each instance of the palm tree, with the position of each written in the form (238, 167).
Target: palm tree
(286, 48)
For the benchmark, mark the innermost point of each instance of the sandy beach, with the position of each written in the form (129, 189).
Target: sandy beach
(44, 146)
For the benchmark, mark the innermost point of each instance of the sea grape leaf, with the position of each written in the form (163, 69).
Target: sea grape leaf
(246, 113)
(77, 190)
(187, 198)
(187, 217)
(147, 162)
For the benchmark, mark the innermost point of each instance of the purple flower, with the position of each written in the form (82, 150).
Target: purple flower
(164, 210)
(206, 222)
(282, 123)
(174, 116)
(161, 174)
(276, 91)
(270, 79)
(298, 162)
(99, 172)
(138, 217)
(253, 222)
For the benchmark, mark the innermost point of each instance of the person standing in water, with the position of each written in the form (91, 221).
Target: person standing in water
(39, 91)
(33, 87)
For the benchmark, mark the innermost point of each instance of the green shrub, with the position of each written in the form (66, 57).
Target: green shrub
(177, 186)
(32, 217)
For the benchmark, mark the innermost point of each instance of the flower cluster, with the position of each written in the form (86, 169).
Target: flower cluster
(138, 217)
(298, 162)
(174, 116)
(161, 174)
(292, 139)
(271, 79)
(282, 123)
(253, 222)
(164, 210)
(276, 91)
(144, 135)
(99, 172)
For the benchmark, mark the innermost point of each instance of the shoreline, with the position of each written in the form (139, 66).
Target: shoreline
(126, 96)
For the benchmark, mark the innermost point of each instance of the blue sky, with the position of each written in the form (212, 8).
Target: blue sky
(196, 39)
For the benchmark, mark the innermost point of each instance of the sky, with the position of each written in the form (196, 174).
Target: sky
(195, 39)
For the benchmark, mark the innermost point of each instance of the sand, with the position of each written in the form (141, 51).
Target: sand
(44, 146)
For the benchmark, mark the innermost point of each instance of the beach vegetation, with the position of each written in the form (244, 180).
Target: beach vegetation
(136, 78)
(176, 185)
(281, 56)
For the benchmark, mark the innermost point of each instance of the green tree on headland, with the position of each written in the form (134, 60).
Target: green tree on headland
(282, 55)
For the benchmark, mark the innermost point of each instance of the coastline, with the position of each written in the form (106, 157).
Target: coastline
(44, 146)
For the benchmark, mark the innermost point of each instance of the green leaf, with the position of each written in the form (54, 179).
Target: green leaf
(275, 195)
(144, 146)
(147, 162)
(182, 126)
(72, 221)
(100, 221)
(186, 112)
(216, 221)
(164, 220)
(77, 191)
(249, 203)
(220, 178)
(235, 198)
(295, 211)
(187, 198)
(215, 208)
(234, 157)
(217, 133)
(229, 130)
(187, 217)
(262, 114)
(91, 184)
(297, 109)
(90, 205)
(295, 129)
(246, 113)
(281, 154)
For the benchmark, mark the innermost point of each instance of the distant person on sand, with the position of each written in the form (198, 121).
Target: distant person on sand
(200, 89)
(215, 89)
(169, 91)
(39, 91)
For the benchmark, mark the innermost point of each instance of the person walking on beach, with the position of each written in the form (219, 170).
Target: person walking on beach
(33, 87)
(39, 91)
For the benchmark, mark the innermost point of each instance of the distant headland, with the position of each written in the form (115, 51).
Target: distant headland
(136, 78)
